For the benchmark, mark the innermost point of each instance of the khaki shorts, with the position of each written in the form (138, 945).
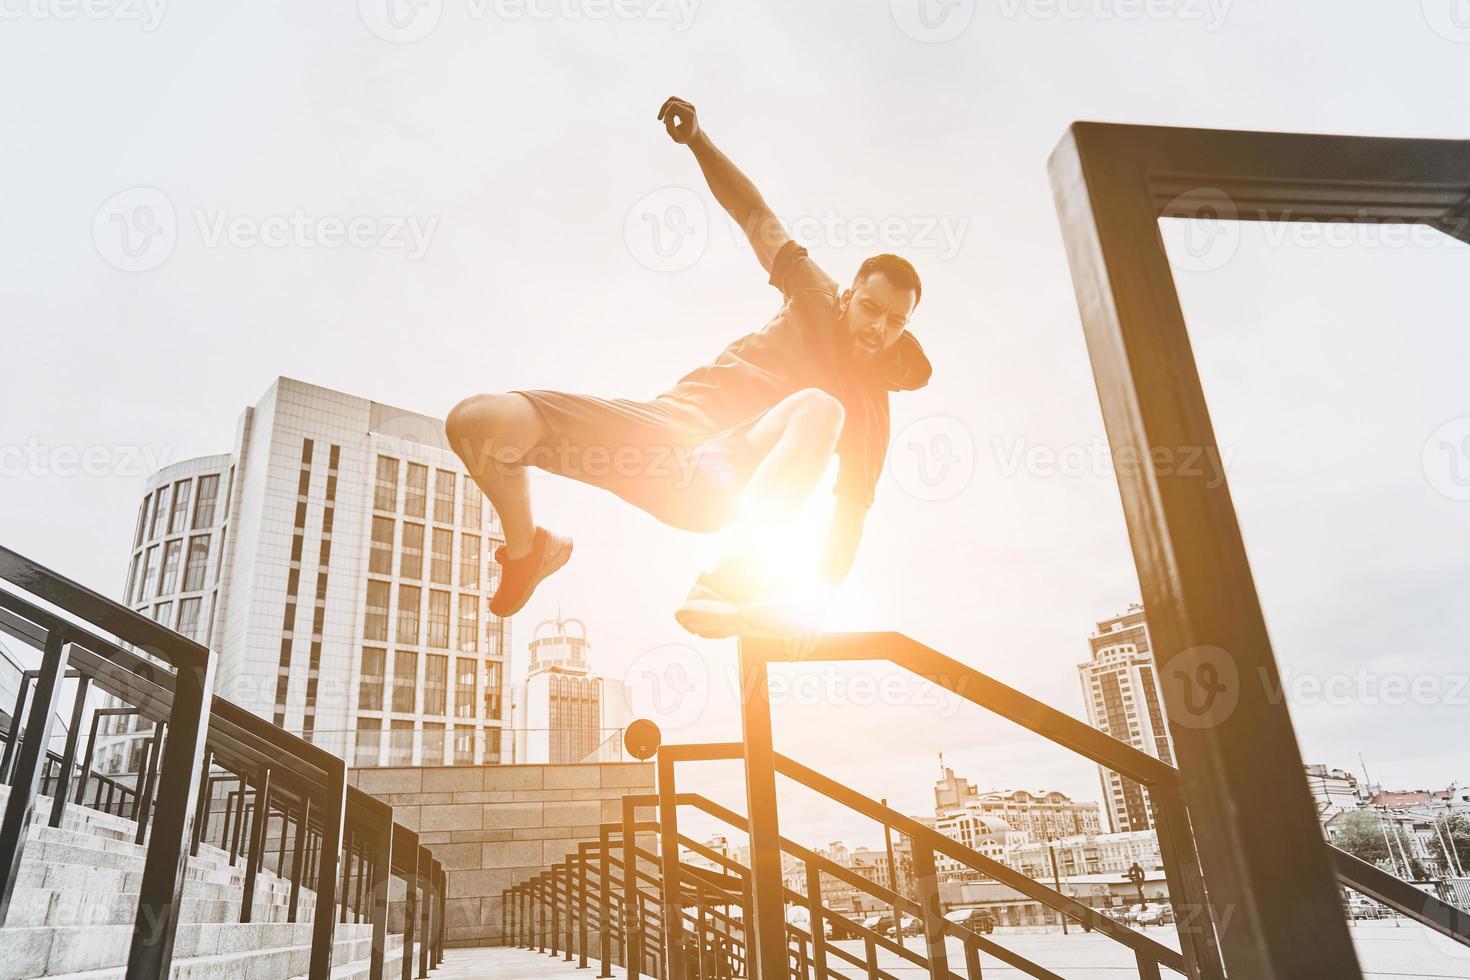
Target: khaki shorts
(663, 456)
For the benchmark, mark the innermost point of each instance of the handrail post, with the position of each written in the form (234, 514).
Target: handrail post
(582, 907)
(81, 796)
(426, 871)
(632, 914)
(815, 920)
(553, 898)
(1196, 924)
(298, 858)
(324, 919)
(15, 825)
(668, 852)
(410, 910)
(256, 847)
(570, 924)
(69, 755)
(382, 867)
(604, 899)
(12, 742)
(201, 811)
(767, 949)
(927, 880)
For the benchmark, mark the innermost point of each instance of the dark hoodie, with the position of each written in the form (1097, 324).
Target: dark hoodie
(803, 346)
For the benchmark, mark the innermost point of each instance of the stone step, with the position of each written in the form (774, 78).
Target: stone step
(267, 964)
(44, 951)
(68, 907)
(56, 847)
(72, 877)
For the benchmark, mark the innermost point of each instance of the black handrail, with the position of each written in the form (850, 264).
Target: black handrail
(276, 771)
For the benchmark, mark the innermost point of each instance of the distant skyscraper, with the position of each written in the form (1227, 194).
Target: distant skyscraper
(1124, 700)
(564, 712)
(339, 562)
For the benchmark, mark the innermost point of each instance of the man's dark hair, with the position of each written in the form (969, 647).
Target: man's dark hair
(897, 269)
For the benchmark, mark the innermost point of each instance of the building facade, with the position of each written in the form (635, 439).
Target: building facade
(1124, 700)
(563, 712)
(340, 562)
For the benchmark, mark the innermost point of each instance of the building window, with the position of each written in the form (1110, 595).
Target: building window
(189, 617)
(442, 556)
(414, 489)
(150, 576)
(436, 677)
(204, 504)
(180, 513)
(469, 561)
(444, 481)
(375, 625)
(473, 498)
(369, 738)
(434, 738)
(160, 508)
(385, 491)
(380, 559)
(405, 680)
(408, 614)
(464, 745)
(370, 687)
(469, 624)
(492, 747)
(195, 567)
(164, 613)
(170, 579)
(411, 559)
(400, 745)
(492, 690)
(142, 521)
(438, 619)
(464, 688)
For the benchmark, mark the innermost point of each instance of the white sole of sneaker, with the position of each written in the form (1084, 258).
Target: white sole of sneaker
(712, 618)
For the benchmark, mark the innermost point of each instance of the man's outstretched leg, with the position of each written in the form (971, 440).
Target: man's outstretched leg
(493, 435)
(795, 439)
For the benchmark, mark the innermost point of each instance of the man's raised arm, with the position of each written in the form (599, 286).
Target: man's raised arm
(736, 194)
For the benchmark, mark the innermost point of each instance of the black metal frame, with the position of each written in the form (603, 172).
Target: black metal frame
(209, 741)
(1112, 184)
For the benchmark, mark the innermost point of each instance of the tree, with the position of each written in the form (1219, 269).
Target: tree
(1455, 828)
(1361, 834)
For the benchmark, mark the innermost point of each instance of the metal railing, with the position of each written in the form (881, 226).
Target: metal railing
(207, 761)
(658, 914)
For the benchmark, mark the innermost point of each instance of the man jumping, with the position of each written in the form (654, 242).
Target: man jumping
(739, 443)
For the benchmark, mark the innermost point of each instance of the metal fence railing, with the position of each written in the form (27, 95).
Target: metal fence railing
(208, 762)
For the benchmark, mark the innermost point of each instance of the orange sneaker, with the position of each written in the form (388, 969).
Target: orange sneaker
(520, 576)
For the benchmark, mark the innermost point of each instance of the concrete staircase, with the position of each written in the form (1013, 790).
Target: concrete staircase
(71, 914)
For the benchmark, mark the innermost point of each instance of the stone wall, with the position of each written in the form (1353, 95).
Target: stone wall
(493, 826)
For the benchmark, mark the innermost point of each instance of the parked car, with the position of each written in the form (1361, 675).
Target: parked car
(1156, 915)
(975, 920)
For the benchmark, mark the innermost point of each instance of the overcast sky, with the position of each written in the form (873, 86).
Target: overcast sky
(418, 203)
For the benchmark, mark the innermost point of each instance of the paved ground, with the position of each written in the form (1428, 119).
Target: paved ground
(1387, 952)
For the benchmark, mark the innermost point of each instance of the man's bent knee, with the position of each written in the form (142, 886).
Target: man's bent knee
(483, 428)
(816, 409)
